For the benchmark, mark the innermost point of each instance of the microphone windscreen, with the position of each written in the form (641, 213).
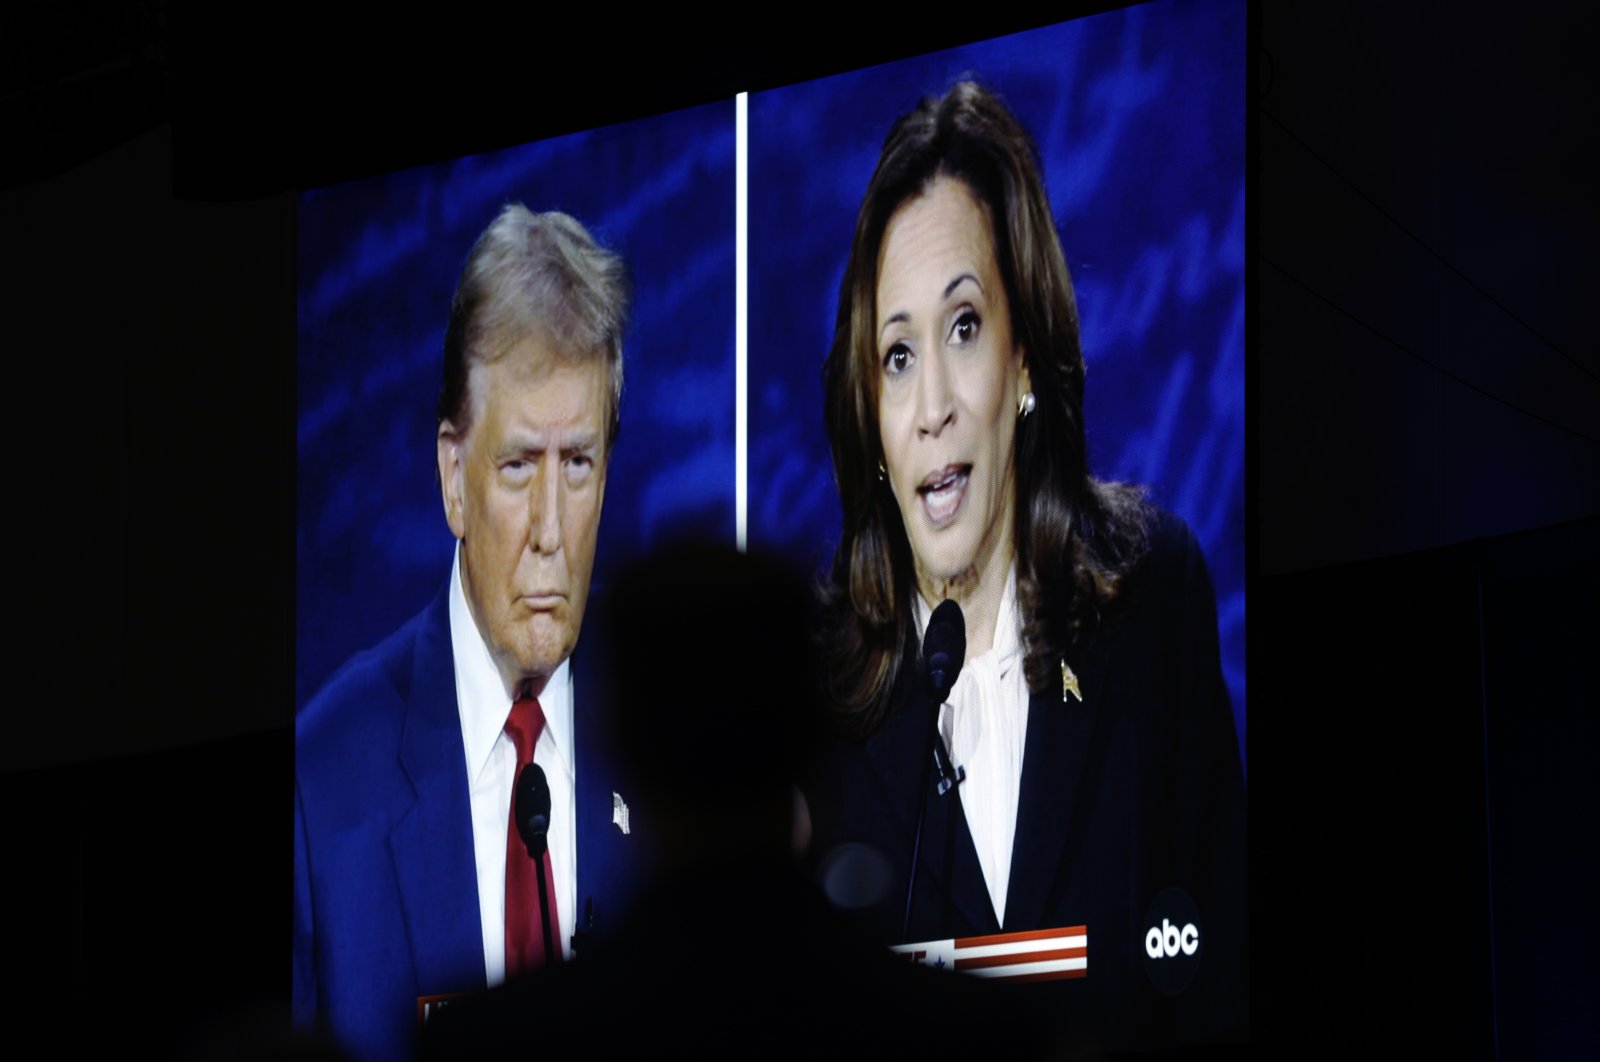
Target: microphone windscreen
(531, 809)
(944, 648)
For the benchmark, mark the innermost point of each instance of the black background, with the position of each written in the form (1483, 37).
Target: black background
(1424, 479)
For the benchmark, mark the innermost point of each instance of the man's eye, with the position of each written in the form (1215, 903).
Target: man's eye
(517, 470)
(897, 360)
(965, 330)
(579, 466)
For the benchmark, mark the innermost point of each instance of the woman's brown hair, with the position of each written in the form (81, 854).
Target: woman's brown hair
(1077, 539)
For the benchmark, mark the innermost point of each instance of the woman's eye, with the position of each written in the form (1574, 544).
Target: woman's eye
(965, 330)
(897, 360)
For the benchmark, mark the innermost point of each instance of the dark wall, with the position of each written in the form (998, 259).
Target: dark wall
(1425, 242)
(154, 420)
(1427, 474)
(1417, 791)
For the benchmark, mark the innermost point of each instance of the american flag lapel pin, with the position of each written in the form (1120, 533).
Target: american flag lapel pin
(1069, 683)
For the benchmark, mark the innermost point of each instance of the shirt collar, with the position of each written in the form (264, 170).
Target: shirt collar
(481, 697)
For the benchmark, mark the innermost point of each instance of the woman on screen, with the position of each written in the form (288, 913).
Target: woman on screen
(1086, 754)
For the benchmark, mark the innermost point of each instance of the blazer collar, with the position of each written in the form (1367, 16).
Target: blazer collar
(431, 843)
(1055, 764)
(609, 871)
(1056, 760)
(947, 866)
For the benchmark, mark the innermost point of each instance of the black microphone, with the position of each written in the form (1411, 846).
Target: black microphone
(532, 810)
(944, 648)
(530, 806)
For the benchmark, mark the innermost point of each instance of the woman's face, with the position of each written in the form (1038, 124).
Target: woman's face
(949, 376)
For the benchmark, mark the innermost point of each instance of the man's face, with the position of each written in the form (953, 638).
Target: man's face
(522, 491)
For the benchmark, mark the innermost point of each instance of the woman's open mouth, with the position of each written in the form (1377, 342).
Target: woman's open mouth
(942, 493)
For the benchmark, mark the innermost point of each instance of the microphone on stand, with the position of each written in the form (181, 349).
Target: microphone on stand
(944, 650)
(531, 808)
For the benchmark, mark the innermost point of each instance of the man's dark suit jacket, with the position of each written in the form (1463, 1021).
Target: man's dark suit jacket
(385, 883)
(1134, 789)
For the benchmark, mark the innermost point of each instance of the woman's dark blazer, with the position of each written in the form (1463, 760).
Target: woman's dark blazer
(1134, 790)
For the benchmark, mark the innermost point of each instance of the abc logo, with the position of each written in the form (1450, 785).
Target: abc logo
(1167, 939)
(1172, 951)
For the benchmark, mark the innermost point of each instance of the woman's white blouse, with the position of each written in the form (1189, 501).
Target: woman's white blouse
(984, 724)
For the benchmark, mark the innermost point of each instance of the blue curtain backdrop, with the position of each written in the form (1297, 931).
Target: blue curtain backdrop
(1139, 120)
(378, 263)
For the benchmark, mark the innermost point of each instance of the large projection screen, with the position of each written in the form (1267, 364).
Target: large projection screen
(1139, 120)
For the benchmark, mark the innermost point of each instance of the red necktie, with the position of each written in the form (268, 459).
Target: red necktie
(524, 935)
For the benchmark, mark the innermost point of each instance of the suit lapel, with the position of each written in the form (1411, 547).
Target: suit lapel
(590, 842)
(1055, 763)
(948, 859)
(431, 843)
(607, 876)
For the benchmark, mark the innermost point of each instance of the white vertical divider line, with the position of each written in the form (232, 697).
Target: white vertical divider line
(741, 341)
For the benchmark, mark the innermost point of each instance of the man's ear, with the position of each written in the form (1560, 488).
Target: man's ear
(452, 474)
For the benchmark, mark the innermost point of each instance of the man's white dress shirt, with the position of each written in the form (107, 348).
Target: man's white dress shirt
(491, 765)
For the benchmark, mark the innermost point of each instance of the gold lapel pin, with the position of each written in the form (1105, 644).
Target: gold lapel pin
(1069, 683)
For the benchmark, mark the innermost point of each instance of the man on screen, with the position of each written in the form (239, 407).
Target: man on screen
(411, 880)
